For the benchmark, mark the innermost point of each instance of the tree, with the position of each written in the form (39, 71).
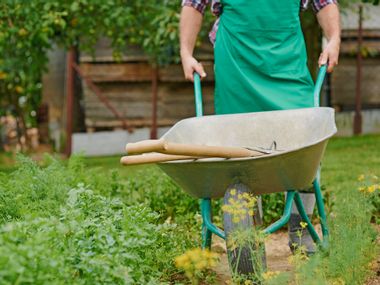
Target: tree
(28, 29)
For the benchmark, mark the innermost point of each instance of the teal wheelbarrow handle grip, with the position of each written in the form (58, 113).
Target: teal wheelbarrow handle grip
(198, 95)
(319, 83)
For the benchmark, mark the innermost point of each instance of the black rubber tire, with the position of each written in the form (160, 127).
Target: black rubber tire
(247, 261)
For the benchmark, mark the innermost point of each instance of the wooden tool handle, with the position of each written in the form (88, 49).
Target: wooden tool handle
(145, 146)
(152, 158)
(206, 151)
(190, 149)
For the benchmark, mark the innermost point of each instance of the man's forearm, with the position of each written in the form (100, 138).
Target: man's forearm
(329, 19)
(190, 24)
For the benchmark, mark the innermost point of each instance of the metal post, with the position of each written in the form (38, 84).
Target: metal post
(69, 98)
(359, 60)
(153, 131)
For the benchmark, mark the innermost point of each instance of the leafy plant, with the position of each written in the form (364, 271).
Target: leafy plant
(58, 226)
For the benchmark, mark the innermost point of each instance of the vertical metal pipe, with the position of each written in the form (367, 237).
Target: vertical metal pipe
(69, 99)
(359, 60)
(153, 131)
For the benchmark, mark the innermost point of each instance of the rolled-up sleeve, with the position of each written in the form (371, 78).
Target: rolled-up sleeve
(199, 5)
(319, 4)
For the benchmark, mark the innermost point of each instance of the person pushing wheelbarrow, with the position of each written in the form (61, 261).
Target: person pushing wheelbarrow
(261, 62)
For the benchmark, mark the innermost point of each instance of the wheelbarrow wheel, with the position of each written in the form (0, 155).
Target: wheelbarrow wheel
(246, 254)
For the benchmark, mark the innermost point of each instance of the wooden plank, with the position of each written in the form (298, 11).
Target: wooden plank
(344, 83)
(138, 72)
(367, 33)
(351, 47)
(110, 72)
(135, 123)
(174, 72)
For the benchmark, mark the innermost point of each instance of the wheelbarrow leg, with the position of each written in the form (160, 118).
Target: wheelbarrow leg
(285, 217)
(206, 217)
(305, 218)
(320, 207)
(208, 228)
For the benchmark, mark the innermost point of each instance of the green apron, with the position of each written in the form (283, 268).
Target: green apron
(260, 58)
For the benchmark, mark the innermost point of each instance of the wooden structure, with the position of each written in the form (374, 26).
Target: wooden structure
(127, 85)
(343, 81)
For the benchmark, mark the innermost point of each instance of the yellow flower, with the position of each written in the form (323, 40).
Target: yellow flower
(235, 220)
(246, 196)
(338, 281)
(303, 225)
(22, 32)
(371, 188)
(195, 261)
(361, 177)
(362, 189)
(3, 75)
(270, 274)
(233, 192)
(19, 89)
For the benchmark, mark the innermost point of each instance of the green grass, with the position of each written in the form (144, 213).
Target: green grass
(347, 158)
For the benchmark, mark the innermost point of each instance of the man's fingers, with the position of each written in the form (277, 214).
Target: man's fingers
(200, 70)
(323, 58)
(332, 64)
(191, 65)
(189, 75)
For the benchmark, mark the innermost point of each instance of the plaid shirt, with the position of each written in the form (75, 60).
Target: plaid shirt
(216, 9)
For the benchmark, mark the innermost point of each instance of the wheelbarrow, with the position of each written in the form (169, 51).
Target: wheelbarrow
(288, 146)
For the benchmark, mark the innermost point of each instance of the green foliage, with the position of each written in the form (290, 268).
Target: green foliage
(273, 205)
(63, 224)
(352, 243)
(28, 29)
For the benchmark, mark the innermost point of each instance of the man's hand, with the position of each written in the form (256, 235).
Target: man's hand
(191, 65)
(329, 19)
(330, 54)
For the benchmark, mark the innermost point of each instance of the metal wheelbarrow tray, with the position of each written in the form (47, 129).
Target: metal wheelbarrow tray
(300, 137)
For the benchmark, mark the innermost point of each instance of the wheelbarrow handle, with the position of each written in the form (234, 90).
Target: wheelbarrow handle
(198, 95)
(198, 90)
(152, 158)
(318, 84)
(165, 147)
